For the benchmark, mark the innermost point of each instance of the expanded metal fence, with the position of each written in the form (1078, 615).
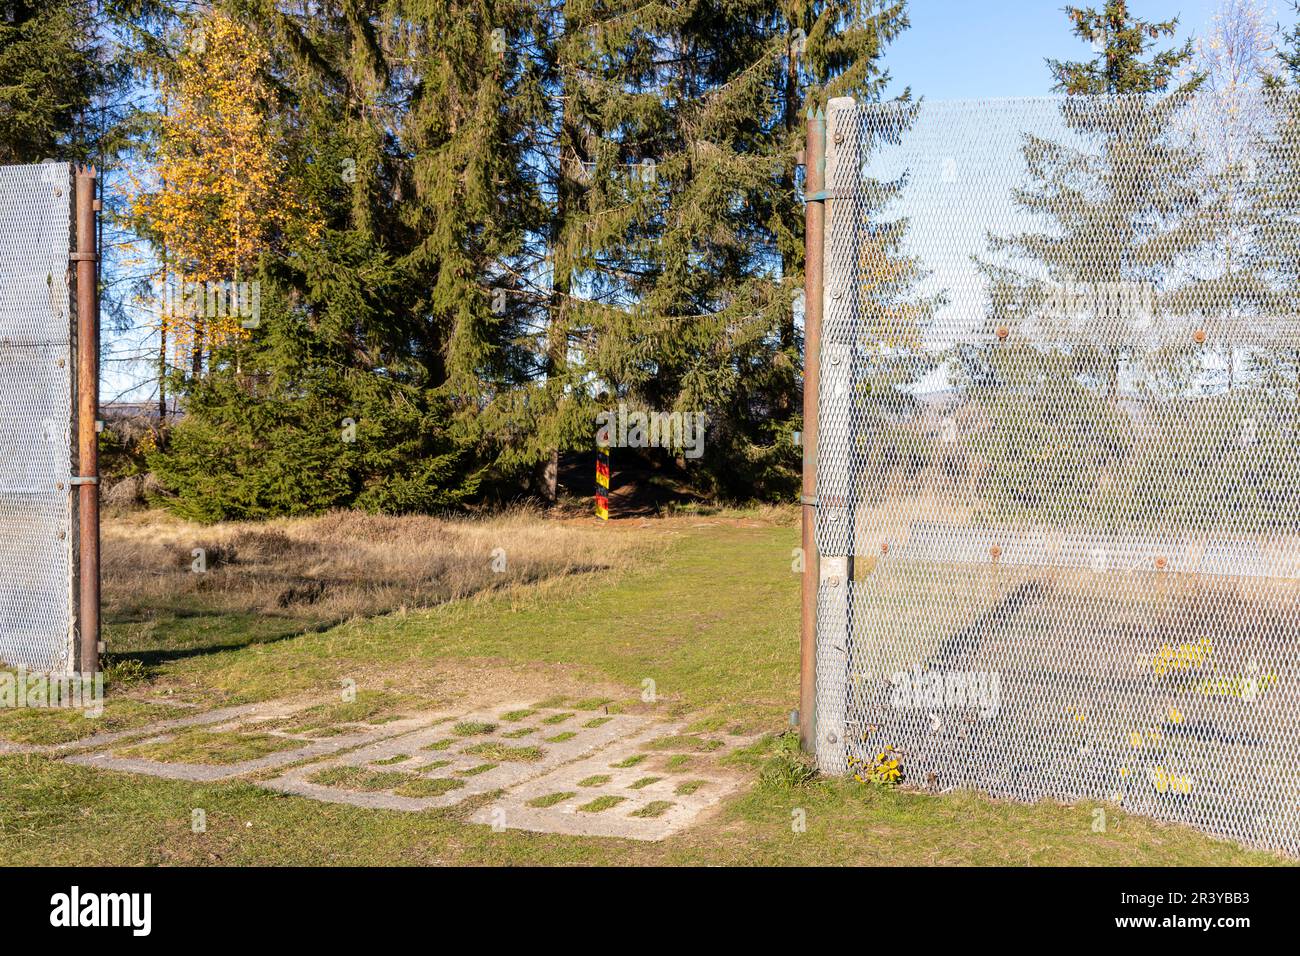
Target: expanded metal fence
(37, 538)
(1058, 476)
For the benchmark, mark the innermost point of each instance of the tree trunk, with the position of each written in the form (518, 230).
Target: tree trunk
(568, 198)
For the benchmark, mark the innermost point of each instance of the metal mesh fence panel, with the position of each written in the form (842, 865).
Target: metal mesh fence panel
(35, 417)
(1059, 448)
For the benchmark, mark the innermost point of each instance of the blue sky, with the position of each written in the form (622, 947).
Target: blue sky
(959, 49)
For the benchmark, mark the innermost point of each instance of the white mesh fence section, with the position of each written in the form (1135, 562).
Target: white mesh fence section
(1060, 439)
(35, 417)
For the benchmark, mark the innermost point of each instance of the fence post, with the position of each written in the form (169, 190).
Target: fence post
(87, 479)
(814, 237)
(835, 440)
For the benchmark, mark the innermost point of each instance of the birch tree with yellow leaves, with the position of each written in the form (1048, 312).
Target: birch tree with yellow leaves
(216, 201)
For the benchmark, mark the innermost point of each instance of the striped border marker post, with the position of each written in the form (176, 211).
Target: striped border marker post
(602, 481)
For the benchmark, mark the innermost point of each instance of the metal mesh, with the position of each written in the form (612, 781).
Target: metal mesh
(1059, 448)
(35, 417)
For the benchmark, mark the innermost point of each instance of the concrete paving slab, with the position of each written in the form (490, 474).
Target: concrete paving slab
(623, 791)
(313, 746)
(459, 759)
(221, 715)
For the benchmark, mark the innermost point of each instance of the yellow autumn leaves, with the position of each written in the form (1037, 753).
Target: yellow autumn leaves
(217, 197)
(1185, 657)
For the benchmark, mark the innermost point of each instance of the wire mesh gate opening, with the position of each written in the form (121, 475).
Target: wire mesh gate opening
(38, 539)
(1058, 470)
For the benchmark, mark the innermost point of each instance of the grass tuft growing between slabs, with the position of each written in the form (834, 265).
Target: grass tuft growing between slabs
(551, 799)
(428, 787)
(503, 752)
(358, 778)
(685, 742)
(602, 803)
(473, 728)
(196, 745)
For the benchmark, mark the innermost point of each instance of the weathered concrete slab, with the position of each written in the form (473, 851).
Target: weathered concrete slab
(459, 762)
(626, 790)
(314, 746)
(554, 769)
(224, 714)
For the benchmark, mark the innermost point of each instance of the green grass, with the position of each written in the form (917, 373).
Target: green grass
(597, 722)
(685, 742)
(28, 725)
(426, 787)
(688, 787)
(516, 715)
(503, 752)
(556, 718)
(655, 808)
(561, 737)
(475, 771)
(596, 780)
(551, 799)
(371, 708)
(195, 745)
(627, 762)
(520, 732)
(713, 620)
(643, 782)
(473, 728)
(358, 778)
(125, 819)
(602, 803)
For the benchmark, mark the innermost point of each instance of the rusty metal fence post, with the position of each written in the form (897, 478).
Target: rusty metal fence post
(814, 236)
(86, 258)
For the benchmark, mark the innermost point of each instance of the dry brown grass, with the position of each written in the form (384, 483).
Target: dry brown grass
(348, 564)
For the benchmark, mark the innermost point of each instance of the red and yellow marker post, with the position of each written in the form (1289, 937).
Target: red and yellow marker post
(602, 481)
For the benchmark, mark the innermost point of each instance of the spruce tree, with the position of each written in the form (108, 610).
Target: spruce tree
(379, 340)
(1122, 197)
(53, 66)
(695, 115)
(1126, 61)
